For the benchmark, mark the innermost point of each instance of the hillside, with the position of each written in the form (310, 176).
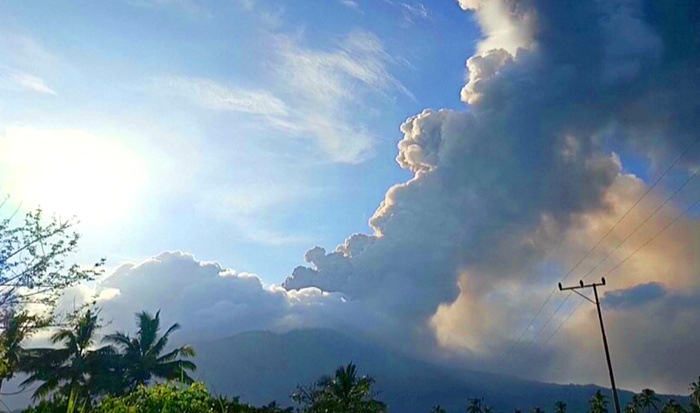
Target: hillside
(262, 366)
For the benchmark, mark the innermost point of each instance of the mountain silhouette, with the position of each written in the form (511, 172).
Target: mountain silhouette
(261, 366)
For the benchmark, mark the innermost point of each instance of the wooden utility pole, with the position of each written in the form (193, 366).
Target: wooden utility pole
(602, 329)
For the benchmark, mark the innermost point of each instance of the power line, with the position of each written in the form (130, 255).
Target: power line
(667, 226)
(587, 254)
(666, 201)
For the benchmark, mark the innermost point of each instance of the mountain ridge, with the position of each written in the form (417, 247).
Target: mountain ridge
(261, 366)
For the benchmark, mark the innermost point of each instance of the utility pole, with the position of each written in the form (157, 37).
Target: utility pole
(602, 329)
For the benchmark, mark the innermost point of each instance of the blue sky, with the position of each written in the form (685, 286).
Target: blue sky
(249, 131)
(200, 129)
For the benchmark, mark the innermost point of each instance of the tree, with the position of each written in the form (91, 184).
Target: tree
(537, 410)
(33, 255)
(475, 405)
(695, 393)
(172, 398)
(634, 405)
(438, 409)
(143, 358)
(672, 406)
(33, 271)
(16, 328)
(74, 370)
(560, 407)
(345, 392)
(598, 403)
(648, 400)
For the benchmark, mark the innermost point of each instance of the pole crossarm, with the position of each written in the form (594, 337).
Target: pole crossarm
(581, 285)
(595, 286)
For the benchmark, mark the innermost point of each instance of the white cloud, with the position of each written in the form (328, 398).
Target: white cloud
(206, 299)
(352, 5)
(217, 96)
(412, 11)
(15, 80)
(317, 94)
(191, 7)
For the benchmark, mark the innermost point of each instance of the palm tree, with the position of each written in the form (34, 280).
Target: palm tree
(598, 403)
(537, 410)
(560, 407)
(345, 392)
(438, 409)
(633, 405)
(75, 369)
(672, 406)
(474, 405)
(695, 393)
(142, 356)
(16, 327)
(648, 400)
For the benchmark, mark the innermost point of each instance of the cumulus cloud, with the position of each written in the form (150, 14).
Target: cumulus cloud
(498, 189)
(206, 299)
(504, 198)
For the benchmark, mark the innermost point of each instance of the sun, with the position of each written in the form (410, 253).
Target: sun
(70, 172)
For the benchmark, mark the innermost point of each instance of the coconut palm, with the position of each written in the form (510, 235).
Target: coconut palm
(560, 407)
(438, 409)
(598, 403)
(648, 400)
(75, 369)
(537, 410)
(475, 405)
(345, 392)
(672, 406)
(633, 405)
(142, 355)
(695, 393)
(15, 328)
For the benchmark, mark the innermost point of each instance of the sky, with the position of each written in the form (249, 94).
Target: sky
(239, 131)
(421, 174)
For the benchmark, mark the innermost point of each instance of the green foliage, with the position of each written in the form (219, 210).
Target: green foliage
(647, 400)
(16, 327)
(475, 405)
(142, 355)
(173, 398)
(163, 398)
(598, 403)
(345, 392)
(75, 369)
(438, 409)
(33, 271)
(672, 406)
(695, 394)
(560, 407)
(33, 256)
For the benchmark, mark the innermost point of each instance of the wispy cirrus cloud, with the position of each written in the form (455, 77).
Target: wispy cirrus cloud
(16, 80)
(219, 96)
(190, 7)
(311, 93)
(411, 12)
(352, 5)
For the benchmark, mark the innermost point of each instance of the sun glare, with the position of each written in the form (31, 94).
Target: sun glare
(69, 172)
